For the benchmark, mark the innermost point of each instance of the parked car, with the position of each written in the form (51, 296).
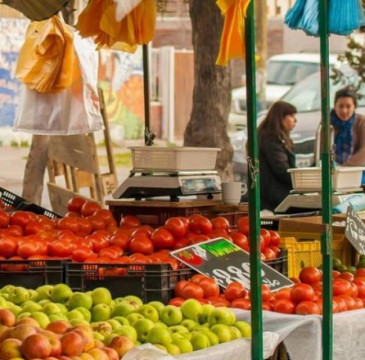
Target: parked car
(283, 71)
(306, 97)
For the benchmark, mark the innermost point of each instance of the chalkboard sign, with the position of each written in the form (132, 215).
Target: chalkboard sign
(355, 230)
(226, 262)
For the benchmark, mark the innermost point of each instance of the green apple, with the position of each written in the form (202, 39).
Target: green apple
(222, 331)
(161, 324)
(100, 312)
(98, 336)
(101, 296)
(6, 289)
(115, 324)
(19, 295)
(149, 312)
(178, 329)
(15, 309)
(158, 335)
(192, 309)
(102, 327)
(62, 308)
(57, 316)
(43, 301)
(172, 349)
(134, 300)
(51, 308)
(76, 322)
(79, 299)
(2, 302)
(31, 306)
(118, 300)
(222, 315)
(134, 317)
(177, 335)
(184, 345)
(207, 310)
(109, 338)
(112, 304)
(22, 315)
(143, 327)
(171, 315)
(213, 338)
(43, 292)
(75, 315)
(158, 305)
(61, 293)
(122, 320)
(123, 308)
(235, 333)
(85, 313)
(244, 328)
(41, 318)
(126, 330)
(187, 335)
(32, 293)
(200, 341)
(189, 324)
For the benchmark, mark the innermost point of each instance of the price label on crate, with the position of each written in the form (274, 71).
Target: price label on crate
(355, 231)
(226, 262)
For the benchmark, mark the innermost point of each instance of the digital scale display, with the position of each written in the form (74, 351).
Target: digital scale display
(196, 186)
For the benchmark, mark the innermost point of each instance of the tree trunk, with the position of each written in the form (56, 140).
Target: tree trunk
(212, 85)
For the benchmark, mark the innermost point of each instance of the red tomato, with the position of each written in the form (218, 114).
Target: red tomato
(98, 242)
(197, 278)
(60, 248)
(265, 293)
(4, 219)
(266, 235)
(240, 240)
(97, 222)
(243, 225)
(358, 282)
(347, 275)
(341, 287)
(360, 273)
(275, 249)
(72, 214)
(269, 254)
(180, 243)
(75, 204)
(335, 274)
(197, 238)
(220, 223)
(192, 291)
(176, 226)
(200, 224)
(210, 287)
(162, 239)
(217, 301)
(47, 223)
(81, 254)
(307, 308)
(266, 306)
(234, 291)
(241, 303)
(285, 306)
(111, 252)
(69, 223)
(84, 225)
(8, 246)
(354, 290)
(26, 249)
(220, 233)
(350, 302)
(141, 244)
(15, 230)
(302, 292)
(130, 221)
(274, 238)
(143, 230)
(179, 286)
(120, 239)
(341, 303)
(89, 207)
(185, 221)
(177, 301)
(21, 218)
(359, 303)
(15, 267)
(283, 294)
(106, 215)
(310, 275)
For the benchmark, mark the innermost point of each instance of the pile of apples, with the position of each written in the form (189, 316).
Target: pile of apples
(304, 298)
(85, 321)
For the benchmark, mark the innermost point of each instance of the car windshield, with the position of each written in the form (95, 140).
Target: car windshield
(306, 95)
(289, 73)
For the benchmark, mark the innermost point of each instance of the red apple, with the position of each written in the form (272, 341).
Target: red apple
(54, 341)
(112, 353)
(59, 327)
(7, 318)
(28, 321)
(22, 331)
(10, 348)
(121, 344)
(72, 343)
(36, 346)
(98, 354)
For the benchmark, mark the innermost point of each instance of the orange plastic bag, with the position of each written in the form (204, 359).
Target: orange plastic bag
(46, 57)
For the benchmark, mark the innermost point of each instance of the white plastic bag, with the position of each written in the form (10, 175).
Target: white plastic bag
(147, 352)
(75, 110)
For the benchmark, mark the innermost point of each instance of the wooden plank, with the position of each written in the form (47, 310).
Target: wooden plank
(60, 196)
(78, 151)
(84, 179)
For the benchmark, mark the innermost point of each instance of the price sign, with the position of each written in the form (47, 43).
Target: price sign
(226, 262)
(355, 231)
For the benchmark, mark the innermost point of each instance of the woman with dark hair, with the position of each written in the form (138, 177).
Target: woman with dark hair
(349, 129)
(276, 154)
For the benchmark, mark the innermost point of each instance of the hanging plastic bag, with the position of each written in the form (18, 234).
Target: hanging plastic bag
(75, 110)
(46, 58)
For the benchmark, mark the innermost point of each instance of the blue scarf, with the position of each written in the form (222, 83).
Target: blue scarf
(343, 137)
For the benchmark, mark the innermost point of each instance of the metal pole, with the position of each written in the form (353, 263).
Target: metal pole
(326, 238)
(146, 92)
(254, 188)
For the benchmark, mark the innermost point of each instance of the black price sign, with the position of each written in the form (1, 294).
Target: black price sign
(226, 262)
(355, 231)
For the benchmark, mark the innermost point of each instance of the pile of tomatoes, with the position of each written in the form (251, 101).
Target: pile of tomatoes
(304, 298)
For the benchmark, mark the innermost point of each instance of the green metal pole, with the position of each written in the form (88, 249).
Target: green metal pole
(326, 238)
(253, 188)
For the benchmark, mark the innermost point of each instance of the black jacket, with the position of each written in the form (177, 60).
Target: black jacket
(275, 159)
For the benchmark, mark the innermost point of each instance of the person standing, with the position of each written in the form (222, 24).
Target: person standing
(276, 154)
(349, 129)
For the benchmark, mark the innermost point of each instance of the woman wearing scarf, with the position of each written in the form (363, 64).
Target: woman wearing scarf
(349, 129)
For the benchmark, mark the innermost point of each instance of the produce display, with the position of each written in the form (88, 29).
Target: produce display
(55, 322)
(305, 297)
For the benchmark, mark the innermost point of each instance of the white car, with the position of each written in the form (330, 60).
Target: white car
(283, 71)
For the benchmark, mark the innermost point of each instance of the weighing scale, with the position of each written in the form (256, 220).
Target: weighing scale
(297, 201)
(142, 184)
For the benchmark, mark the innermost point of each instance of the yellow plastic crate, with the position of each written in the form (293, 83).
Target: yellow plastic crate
(304, 249)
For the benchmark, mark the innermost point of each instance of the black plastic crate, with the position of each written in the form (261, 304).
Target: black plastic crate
(280, 264)
(19, 203)
(149, 282)
(31, 273)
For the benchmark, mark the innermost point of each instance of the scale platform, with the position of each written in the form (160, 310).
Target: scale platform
(140, 185)
(312, 201)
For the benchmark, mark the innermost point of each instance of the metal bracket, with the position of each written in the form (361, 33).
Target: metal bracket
(253, 172)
